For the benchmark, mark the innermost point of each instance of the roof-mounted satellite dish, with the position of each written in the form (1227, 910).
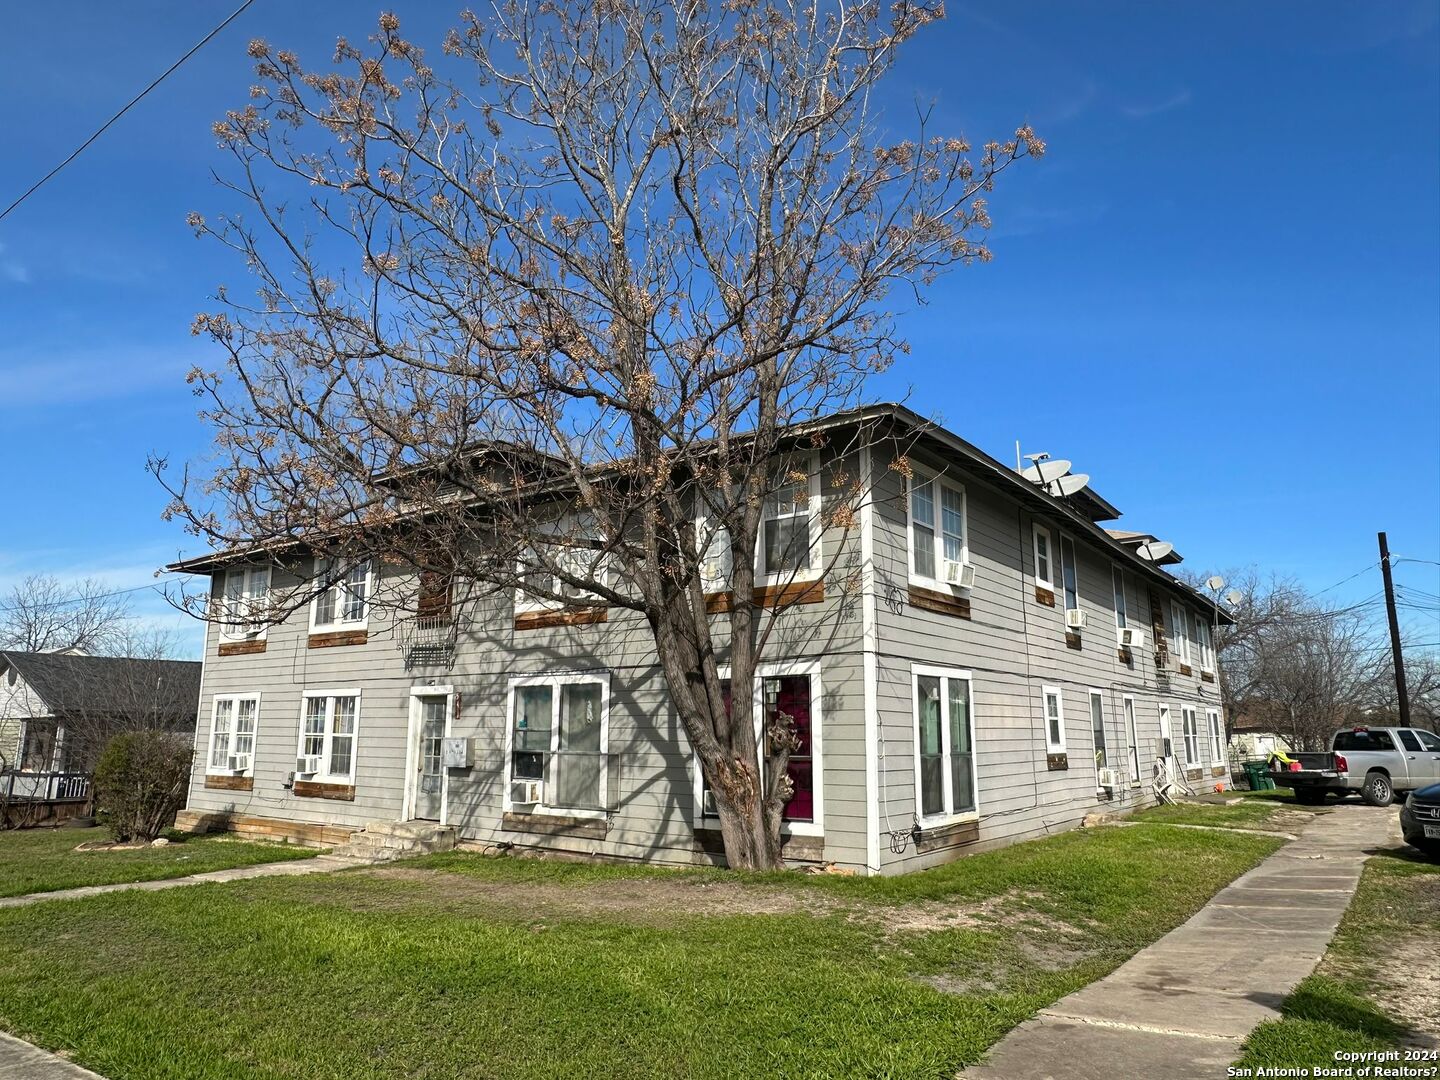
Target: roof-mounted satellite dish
(1042, 472)
(1068, 485)
(1155, 550)
(1233, 598)
(1215, 584)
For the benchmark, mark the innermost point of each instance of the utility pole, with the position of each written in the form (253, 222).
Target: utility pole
(1400, 689)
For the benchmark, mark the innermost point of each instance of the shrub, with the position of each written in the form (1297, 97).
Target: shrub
(141, 779)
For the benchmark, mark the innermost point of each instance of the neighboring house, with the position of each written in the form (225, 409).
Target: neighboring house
(939, 714)
(1255, 736)
(56, 707)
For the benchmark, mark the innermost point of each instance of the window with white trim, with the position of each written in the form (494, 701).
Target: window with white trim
(1054, 720)
(233, 720)
(1069, 573)
(1097, 729)
(1167, 747)
(790, 525)
(328, 725)
(1202, 637)
(937, 528)
(944, 744)
(1192, 735)
(559, 736)
(716, 560)
(1044, 556)
(244, 598)
(343, 603)
(1217, 736)
(1180, 631)
(1132, 737)
(1117, 583)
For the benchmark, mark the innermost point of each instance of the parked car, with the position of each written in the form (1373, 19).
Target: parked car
(1420, 819)
(1377, 762)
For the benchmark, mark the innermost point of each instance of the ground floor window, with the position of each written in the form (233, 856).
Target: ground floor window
(1054, 720)
(1217, 736)
(559, 742)
(1192, 735)
(1132, 738)
(232, 732)
(327, 735)
(944, 743)
(787, 696)
(1097, 727)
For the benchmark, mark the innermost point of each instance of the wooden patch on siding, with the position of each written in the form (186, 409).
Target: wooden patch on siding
(242, 648)
(1194, 774)
(810, 849)
(947, 836)
(1127, 655)
(1072, 640)
(308, 789)
(1207, 676)
(1157, 628)
(230, 783)
(1057, 762)
(1044, 596)
(555, 825)
(338, 637)
(1184, 669)
(772, 596)
(943, 603)
(260, 828)
(537, 620)
(1218, 770)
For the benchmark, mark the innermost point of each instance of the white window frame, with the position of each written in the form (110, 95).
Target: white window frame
(1119, 597)
(414, 734)
(325, 775)
(817, 723)
(1207, 647)
(339, 589)
(556, 680)
(763, 574)
(1167, 732)
(1094, 694)
(234, 626)
(717, 548)
(939, 485)
(949, 815)
(1048, 581)
(526, 603)
(1063, 539)
(1051, 745)
(1190, 735)
(1130, 727)
(1215, 731)
(211, 769)
(1180, 631)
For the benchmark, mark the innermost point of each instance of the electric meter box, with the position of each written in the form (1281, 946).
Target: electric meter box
(455, 753)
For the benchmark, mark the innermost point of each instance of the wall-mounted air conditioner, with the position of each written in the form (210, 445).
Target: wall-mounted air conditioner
(1109, 780)
(307, 766)
(1130, 638)
(239, 763)
(1075, 618)
(959, 574)
(527, 792)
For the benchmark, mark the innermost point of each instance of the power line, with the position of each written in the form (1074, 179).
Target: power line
(128, 106)
(1352, 577)
(72, 600)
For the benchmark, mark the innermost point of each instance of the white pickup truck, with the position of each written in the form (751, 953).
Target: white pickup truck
(1375, 761)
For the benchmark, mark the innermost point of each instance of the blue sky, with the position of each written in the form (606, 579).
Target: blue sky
(1218, 294)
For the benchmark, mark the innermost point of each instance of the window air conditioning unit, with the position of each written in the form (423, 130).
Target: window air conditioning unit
(239, 762)
(958, 573)
(527, 792)
(1075, 618)
(1108, 779)
(713, 571)
(1130, 638)
(307, 766)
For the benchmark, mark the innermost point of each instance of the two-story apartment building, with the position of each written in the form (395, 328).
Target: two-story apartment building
(982, 662)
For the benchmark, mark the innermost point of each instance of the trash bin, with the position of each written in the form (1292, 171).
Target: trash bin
(1258, 775)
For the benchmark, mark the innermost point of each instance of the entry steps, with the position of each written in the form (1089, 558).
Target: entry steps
(381, 841)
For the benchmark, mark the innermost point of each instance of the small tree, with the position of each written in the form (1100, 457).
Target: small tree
(140, 780)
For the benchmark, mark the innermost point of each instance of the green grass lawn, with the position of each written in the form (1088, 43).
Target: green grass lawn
(1375, 983)
(1261, 810)
(43, 860)
(462, 965)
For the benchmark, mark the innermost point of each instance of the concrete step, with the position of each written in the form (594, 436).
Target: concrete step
(386, 840)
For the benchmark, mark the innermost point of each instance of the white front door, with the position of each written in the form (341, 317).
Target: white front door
(429, 778)
(1167, 749)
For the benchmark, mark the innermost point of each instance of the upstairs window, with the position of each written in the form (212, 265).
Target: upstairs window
(1203, 644)
(1044, 577)
(345, 601)
(944, 744)
(937, 528)
(1117, 580)
(1180, 631)
(576, 551)
(1069, 573)
(790, 529)
(244, 597)
(436, 595)
(232, 733)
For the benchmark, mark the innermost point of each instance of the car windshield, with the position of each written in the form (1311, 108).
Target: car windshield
(1363, 740)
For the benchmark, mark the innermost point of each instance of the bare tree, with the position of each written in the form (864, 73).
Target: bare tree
(607, 260)
(44, 614)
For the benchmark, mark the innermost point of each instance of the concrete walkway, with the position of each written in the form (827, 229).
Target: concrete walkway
(1182, 1007)
(321, 864)
(21, 1061)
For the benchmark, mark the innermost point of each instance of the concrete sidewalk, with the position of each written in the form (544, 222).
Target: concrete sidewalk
(321, 864)
(21, 1061)
(1182, 1007)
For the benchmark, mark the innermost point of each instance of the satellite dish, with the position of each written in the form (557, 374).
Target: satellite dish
(1215, 584)
(1155, 550)
(1042, 472)
(1233, 597)
(1068, 485)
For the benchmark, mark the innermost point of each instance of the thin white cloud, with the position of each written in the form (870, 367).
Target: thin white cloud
(12, 270)
(1177, 100)
(65, 380)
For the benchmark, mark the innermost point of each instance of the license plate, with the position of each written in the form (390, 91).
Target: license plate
(1432, 832)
